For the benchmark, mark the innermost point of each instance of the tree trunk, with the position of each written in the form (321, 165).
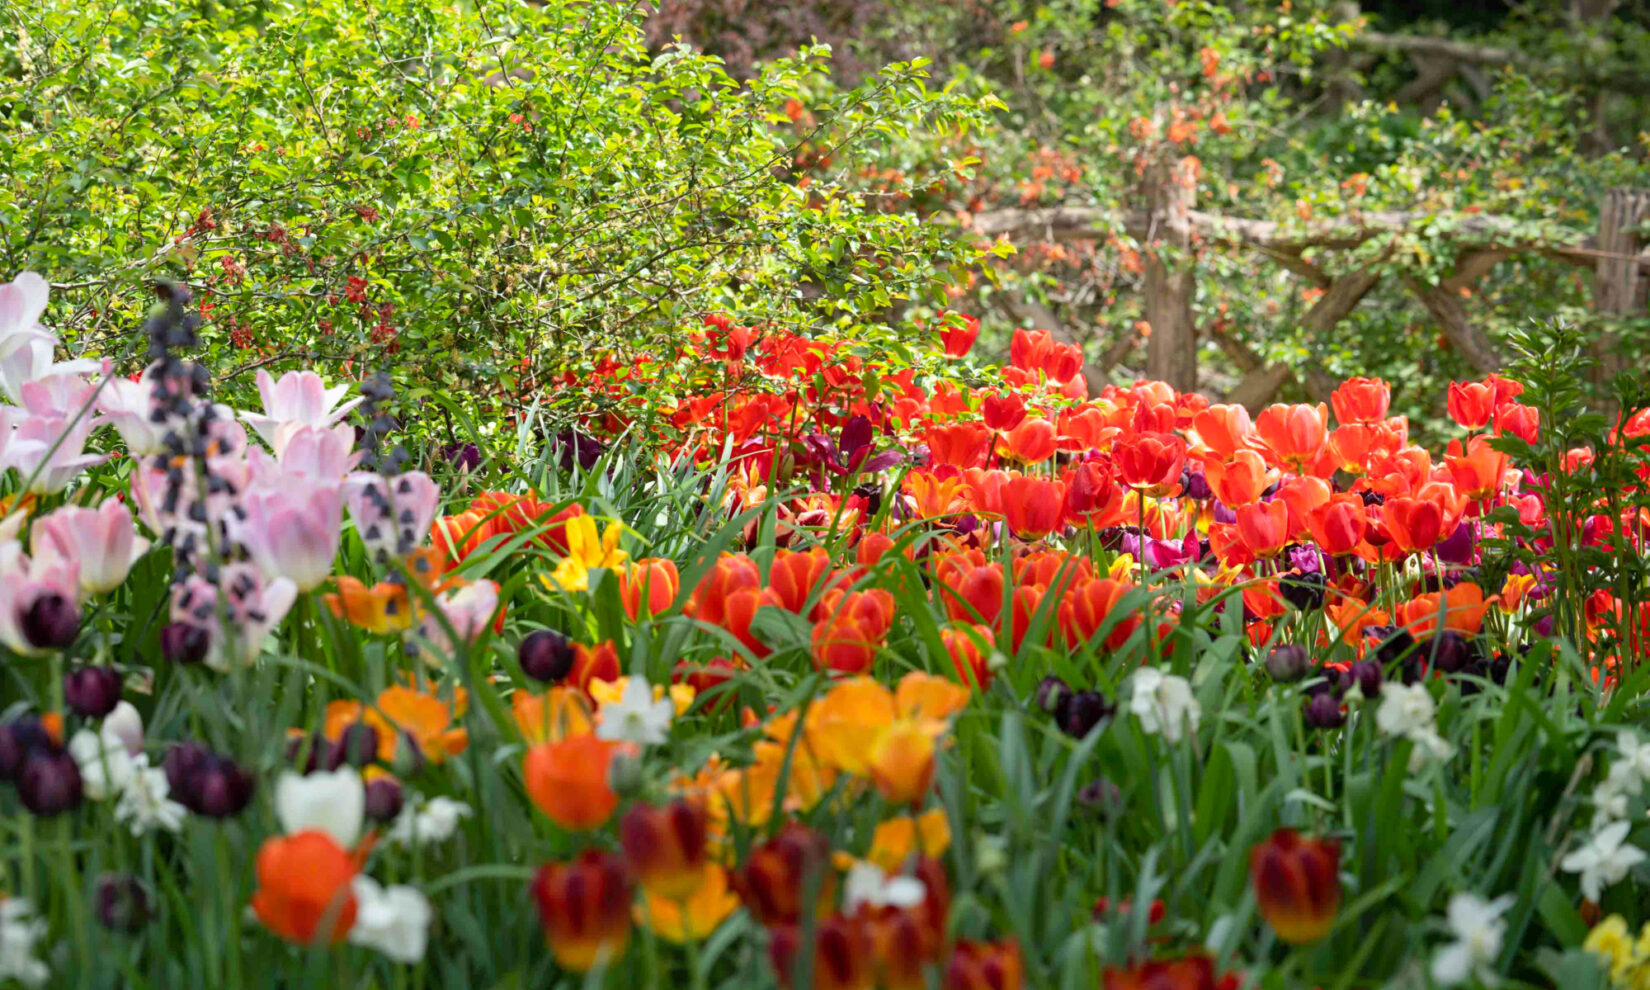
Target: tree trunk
(1171, 280)
(1620, 284)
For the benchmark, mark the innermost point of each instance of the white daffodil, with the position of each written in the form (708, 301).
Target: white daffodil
(104, 764)
(145, 803)
(1408, 711)
(866, 884)
(1164, 704)
(20, 929)
(428, 822)
(1635, 756)
(636, 717)
(1479, 931)
(393, 920)
(334, 803)
(1604, 860)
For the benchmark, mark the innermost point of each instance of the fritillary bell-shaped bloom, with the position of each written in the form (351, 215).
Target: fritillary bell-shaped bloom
(102, 542)
(584, 907)
(304, 889)
(395, 514)
(1297, 884)
(667, 847)
(568, 781)
(297, 397)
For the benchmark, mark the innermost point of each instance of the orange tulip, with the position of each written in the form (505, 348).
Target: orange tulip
(461, 535)
(552, 716)
(1352, 445)
(970, 650)
(304, 892)
(1225, 430)
(1478, 473)
(1032, 506)
(970, 587)
(852, 628)
(1151, 462)
(1471, 404)
(1338, 525)
(1302, 494)
(1086, 607)
(1293, 434)
(1297, 885)
(1263, 527)
(730, 573)
(961, 445)
(1031, 442)
(1241, 479)
(1463, 608)
(667, 847)
(1417, 524)
(648, 585)
(584, 907)
(795, 575)
(933, 496)
(1093, 498)
(382, 608)
(901, 762)
(1361, 400)
(568, 781)
(593, 663)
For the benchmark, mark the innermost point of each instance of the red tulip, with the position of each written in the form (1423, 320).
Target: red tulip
(1032, 506)
(1471, 404)
(1297, 884)
(1003, 411)
(1151, 462)
(584, 907)
(1361, 400)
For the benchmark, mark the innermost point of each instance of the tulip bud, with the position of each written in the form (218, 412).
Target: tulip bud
(52, 622)
(1102, 797)
(18, 738)
(841, 954)
(1448, 652)
(92, 692)
(1393, 642)
(49, 782)
(1323, 711)
(185, 643)
(384, 799)
(122, 904)
(1288, 662)
(409, 755)
(357, 746)
(546, 656)
(1079, 713)
(584, 907)
(309, 752)
(1051, 692)
(778, 874)
(1303, 591)
(1297, 884)
(666, 847)
(1367, 674)
(206, 783)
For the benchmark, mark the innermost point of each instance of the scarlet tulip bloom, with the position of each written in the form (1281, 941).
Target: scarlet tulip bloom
(666, 847)
(593, 663)
(568, 781)
(1302, 494)
(852, 628)
(976, 965)
(730, 573)
(1264, 527)
(1523, 422)
(1223, 429)
(842, 954)
(961, 445)
(648, 585)
(794, 575)
(304, 892)
(456, 537)
(1293, 434)
(778, 874)
(1417, 524)
(970, 652)
(1086, 607)
(584, 907)
(1003, 411)
(1478, 473)
(1471, 404)
(971, 588)
(1338, 525)
(1032, 441)
(1032, 506)
(1185, 973)
(1092, 496)
(1241, 479)
(1028, 349)
(1361, 400)
(1297, 884)
(1151, 462)
(959, 337)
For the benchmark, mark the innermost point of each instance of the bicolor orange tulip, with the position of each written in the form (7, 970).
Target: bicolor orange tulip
(970, 650)
(584, 907)
(852, 627)
(842, 954)
(648, 585)
(1462, 608)
(777, 875)
(1479, 472)
(1297, 885)
(970, 587)
(667, 847)
(1032, 506)
(794, 576)
(1085, 608)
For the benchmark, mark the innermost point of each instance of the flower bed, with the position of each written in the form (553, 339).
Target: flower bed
(794, 663)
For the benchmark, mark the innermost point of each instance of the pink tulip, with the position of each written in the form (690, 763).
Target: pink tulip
(127, 405)
(291, 531)
(298, 397)
(467, 609)
(314, 453)
(102, 542)
(395, 515)
(32, 591)
(252, 607)
(50, 450)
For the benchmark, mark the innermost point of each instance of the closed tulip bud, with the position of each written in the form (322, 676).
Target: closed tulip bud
(309, 752)
(122, 904)
(1448, 652)
(1051, 692)
(1367, 675)
(779, 874)
(206, 783)
(49, 781)
(52, 622)
(18, 738)
(546, 656)
(666, 847)
(185, 643)
(1297, 884)
(1288, 662)
(357, 746)
(1323, 711)
(384, 799)
(842, 954)
(92, 692)
(1082, 711)
(1392, 642)
(584, 907)
(1304, 591)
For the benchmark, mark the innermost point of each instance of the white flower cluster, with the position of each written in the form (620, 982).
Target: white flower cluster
(112, 764)
(20, 929)
(1408, 711)
(1164, 704)
(1626, 780)
(424, 823)
(1604, 859)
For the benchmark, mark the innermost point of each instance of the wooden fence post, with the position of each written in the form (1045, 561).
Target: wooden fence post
(1620, 282)
(1171, 353)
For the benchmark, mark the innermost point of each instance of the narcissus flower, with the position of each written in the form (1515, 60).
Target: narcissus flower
(1297, 884)
(304, 892)
(587, 550)
(584, 907)
(568, 781)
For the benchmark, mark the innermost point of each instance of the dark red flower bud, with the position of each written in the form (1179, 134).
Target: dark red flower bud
(92, 692)
(357, 745)
(52, 622)
(985, 966)
(18, 738)
(49, 783)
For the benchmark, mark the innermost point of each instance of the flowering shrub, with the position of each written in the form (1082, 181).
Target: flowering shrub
(794, 661)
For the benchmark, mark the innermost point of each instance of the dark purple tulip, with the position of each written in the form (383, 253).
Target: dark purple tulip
(181, 763)
(49, 783)
(1367, 674)
(310, 752)
(384, 799)
(1457, 548)
(857, 432)
(1193, 485)
(92, 692)
(1101, 796)
(18, 738)
(183, 642)
(1391, 641)
(357, 746)
(576, 447)
(1052, 692)
(546, 656)
(1303, 591)
(221, 789)
(52, 622)
(464, 456)
(1323, 711)
(1082, 711)
(1288, 662)
(1448, 652)
(122, 903)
